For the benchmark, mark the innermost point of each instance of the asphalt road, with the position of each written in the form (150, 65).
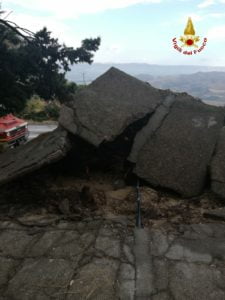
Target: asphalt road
(36, 130)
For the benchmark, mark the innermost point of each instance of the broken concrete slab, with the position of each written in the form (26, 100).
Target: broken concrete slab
(42, 151)
(168, 138)
(178, 154)
(104, 109)
(152, 126)
(217, 167)
(173, 135)
(67, 119)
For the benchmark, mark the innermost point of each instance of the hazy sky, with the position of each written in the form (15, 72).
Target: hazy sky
(131, 30)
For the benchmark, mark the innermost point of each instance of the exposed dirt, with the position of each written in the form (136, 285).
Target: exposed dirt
(103, 194)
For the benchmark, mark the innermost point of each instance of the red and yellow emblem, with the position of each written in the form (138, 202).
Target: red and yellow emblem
(189, 39)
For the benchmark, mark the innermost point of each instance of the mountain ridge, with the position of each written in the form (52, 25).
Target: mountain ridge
(205, 82)
(85, 73)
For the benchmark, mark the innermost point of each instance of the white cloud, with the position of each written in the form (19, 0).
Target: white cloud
(59, 29)
(206, 3)
(217, 33)
(110, 52)
(195, 18)
(53, 13)
(200, 17)
(216, 15)
(72, 9)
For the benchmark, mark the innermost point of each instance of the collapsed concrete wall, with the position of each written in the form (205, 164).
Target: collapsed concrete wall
(178, 154)
(218, 166)
(170, 138)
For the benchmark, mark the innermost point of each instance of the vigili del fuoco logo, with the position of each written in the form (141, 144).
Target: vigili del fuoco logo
(189, 43)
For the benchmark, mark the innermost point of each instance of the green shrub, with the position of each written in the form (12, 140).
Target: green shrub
(40, 110)
(34, 109)
(52, 110)
(34, 105)
(39, 116)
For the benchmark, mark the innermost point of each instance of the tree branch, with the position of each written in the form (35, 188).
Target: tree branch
(17, 29)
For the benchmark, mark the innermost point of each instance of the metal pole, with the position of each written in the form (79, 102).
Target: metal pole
(138, 212)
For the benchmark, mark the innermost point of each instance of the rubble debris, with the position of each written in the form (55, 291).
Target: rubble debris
(108, 106)
(169, 137)
(122, 125)
(178, 154)
(38, 220)
(68, 197)
(42, 151)
(216, 214)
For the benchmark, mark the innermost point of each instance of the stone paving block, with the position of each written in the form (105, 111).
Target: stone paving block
(161, 273)
(159, 242)
(193, 281)
(71, 263)
(7, 266)
(202, 250)
(41, 279)
(108, 231)
(14, 243)
(144, 267)
(95, 280)
(70, 245)
(195, 232)
(129, 238)
(127, 272)
(128, 253)
(86, 239)
(216, 230)
(199, 231)
(127, 290)
(183, 251)
(110, 246)
(45, 243)
(126, 282)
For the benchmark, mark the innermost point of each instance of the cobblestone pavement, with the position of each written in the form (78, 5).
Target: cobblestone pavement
(108, 259)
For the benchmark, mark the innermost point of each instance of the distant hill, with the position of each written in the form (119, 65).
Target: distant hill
(209, 86)
(207, 83)
(87, 73)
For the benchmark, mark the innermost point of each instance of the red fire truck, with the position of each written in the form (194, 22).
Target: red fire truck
(13, 131)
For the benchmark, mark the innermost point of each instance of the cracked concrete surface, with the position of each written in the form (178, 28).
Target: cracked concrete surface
(102, 258)
(152, 126)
